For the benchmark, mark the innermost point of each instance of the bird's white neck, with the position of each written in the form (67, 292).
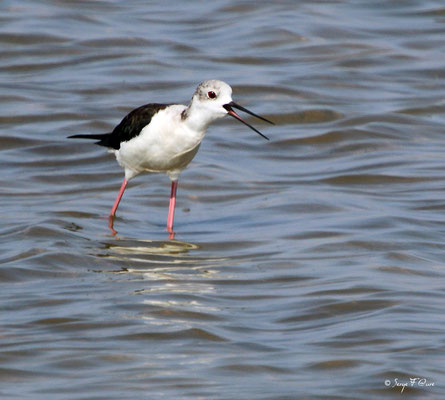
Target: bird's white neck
(197, 117)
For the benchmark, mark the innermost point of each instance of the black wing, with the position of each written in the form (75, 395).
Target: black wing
(130, 127)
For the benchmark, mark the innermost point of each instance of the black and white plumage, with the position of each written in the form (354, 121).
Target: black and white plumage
(166, 137)
(128, 128)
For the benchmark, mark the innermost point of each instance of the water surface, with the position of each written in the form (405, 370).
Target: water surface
(310, 266)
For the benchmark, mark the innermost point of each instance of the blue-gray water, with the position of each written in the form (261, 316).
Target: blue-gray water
(307, 267)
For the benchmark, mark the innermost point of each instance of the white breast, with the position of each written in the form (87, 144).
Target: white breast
(166, 144)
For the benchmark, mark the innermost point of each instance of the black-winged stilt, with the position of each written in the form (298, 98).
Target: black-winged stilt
(166, 137)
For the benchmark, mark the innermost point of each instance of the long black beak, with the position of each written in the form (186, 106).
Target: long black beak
(230, 111)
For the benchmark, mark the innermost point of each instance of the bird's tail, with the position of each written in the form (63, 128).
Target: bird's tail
(102, 138)
(95, 137)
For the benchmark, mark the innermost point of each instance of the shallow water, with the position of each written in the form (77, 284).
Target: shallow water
(310, 266)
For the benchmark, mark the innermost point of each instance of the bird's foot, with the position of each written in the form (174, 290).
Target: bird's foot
(111, 223)
(171, 233)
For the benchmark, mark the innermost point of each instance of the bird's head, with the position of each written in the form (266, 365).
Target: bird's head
(214, 99)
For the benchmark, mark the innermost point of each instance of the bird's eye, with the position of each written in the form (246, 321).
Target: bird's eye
(211, 95)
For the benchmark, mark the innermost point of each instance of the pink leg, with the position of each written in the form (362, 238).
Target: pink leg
(118, 198)
(171, 208)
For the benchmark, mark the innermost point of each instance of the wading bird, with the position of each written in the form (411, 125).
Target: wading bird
(166, 137)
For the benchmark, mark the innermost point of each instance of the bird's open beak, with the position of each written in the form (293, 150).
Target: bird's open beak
(229, 107)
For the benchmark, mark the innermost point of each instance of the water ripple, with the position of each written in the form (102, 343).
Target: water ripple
(307, 266)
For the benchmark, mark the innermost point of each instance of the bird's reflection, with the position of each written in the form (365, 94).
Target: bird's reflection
(153, 257)
(135, 247)
(171, 279)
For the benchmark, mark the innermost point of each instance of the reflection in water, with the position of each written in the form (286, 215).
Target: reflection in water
(148, 247)
(149, 254)
(170, 275)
